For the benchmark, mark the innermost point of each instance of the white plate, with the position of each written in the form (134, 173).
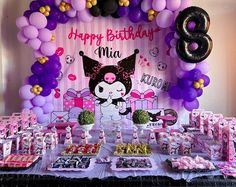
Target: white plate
(114, 168)
(91, 166)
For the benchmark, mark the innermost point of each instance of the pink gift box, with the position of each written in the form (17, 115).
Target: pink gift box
(15, 143)
(210, 122)
(213, 150)
(193, 117)
(200, 119)
(5, 148)
(141, 100)
(228, 142)
(82, 99)
(218, 129)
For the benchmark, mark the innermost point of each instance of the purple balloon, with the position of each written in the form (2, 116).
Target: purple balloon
(54, 14)
(53, 84)
(63, 18)
(47, 2)
(33, 80)
(54, 58)
(169, 37)
(53, 67)
(199, 92)
(27, 13)
(123, 11)
(45, 79)
(26, 104)
(185, 83)
(145, 17)
(134, 3)
(52, 25)
(206, 80)
(46, 91)
(195, 75)
(189, 94)
(35, 5)
(191, 105)
(135, 15)
(37, 68)
(39, 101)
(47, 108)
(25, 92)
(175, 92)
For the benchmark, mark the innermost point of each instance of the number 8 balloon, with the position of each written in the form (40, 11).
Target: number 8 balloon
(196, 34)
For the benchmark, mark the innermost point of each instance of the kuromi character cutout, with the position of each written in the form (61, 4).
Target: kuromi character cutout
(110, 84)
(69, 59)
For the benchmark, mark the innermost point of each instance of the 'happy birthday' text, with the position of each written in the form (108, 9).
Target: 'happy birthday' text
(129, 33)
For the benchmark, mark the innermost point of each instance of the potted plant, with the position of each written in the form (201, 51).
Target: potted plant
(86, 121)
(140, 119)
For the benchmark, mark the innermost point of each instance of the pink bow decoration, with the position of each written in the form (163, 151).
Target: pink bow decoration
(147, 95)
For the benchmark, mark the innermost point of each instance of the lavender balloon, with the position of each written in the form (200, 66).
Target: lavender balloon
(173, 5)
(22, 22)
(146, 5)
(203, 67)
(165, 18)
(78, 5)
(25, 92)
(45, 35)
(186, 66)
(48, 108)
(159, 5)
(85, 16)
(30, 32)
(34, 43)
(38, 20)
(44, 118)
(21, 37)
(26, 104)
(48, 48)
(38, 111)
(38, 100)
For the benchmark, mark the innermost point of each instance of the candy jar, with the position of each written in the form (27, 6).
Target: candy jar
(135, 139)
(68, 139)
(54, 131)
(152, 138)
(102, 138)
(119, 139)
(83, 138)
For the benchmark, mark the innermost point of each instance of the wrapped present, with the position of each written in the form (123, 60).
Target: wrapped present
(210, 122)
(15, 143)
(201, 118)
(229, 141)
(173, 145)
(193, 117)
(214, 150)
(138, 100)
(82, 99)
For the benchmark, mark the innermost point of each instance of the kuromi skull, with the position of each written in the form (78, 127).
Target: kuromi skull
(161, 66)
(69, 59)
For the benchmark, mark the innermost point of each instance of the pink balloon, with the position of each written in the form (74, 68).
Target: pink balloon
(34, 43)
(71, 13)
(146, 5)
(22, 22)
(78, 5)
(85, 16)
(186, 66)
(173, 5)
(38, 20)
(159, 5)
(39, 100)
(48, 48)
(48, 108)
(165, 18)
(45, 35)
(25, 92)
(21, 37)
(185, 4)
(203, 67)
(27, 104)
(38, 111)
(30, 32)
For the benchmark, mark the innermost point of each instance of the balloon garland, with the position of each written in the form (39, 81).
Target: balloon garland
(43, 16)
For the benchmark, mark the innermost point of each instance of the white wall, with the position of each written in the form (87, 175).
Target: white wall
(220, 96)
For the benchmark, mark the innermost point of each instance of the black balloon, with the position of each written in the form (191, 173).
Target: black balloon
(95, 11)
(198, 34)
(115, 15)
(110, 6)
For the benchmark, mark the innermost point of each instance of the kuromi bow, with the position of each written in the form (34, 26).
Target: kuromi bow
(72, 94)
(136, 95)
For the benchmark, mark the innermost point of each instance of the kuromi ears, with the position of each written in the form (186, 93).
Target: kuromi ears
(91, 67)
(127, 65)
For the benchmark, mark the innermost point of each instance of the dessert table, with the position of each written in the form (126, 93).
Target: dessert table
(102, 174)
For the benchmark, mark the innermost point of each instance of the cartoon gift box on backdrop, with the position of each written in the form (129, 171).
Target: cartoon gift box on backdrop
(110, 84)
